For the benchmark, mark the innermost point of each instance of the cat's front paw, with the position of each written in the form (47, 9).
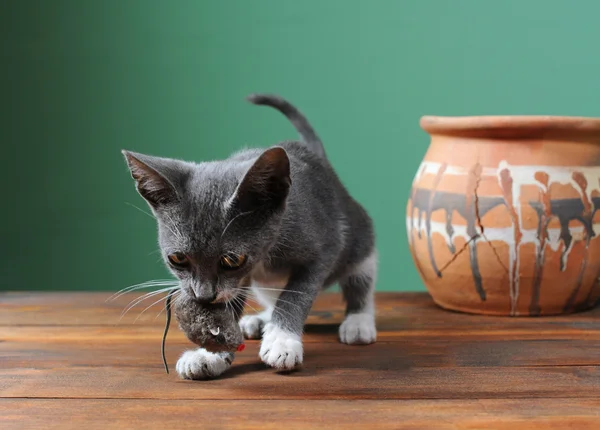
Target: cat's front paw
(252, 326)
(201, 364)
(280, 349)
(358, 329)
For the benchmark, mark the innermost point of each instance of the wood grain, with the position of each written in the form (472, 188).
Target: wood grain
(409, 311)
(555, 414)
(471, 351)
(319, 381)
(62, 355)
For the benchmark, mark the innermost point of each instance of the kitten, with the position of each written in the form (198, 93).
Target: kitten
(276, 221)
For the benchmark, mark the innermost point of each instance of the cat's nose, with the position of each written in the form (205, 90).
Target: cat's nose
(206, 300)
(204, 294)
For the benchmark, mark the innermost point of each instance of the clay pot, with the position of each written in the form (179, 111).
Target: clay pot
(503, 217)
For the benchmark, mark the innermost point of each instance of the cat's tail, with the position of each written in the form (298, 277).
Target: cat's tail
(298, 120)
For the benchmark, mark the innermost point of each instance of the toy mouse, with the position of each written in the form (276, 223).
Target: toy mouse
(212, 327)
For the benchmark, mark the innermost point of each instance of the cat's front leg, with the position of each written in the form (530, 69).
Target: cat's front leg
(202, 364)
(281, 345)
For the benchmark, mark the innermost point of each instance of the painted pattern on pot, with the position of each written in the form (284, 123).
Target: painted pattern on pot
(490, 234)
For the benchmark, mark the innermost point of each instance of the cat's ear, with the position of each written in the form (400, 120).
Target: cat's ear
(156, 179)
(266, 184)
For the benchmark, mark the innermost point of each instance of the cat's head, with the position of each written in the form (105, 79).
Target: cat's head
(216, 220)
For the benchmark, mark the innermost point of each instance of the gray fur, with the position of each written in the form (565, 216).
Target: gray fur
(285, 208)
(307, 133)
(211, 326)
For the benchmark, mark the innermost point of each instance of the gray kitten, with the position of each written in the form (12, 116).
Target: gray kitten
(277, 222)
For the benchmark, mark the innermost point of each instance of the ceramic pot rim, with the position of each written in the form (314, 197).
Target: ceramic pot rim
(518, 126)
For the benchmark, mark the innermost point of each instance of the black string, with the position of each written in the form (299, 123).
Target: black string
(167, 324)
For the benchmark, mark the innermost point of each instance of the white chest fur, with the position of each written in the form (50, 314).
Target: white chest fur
(267, 286)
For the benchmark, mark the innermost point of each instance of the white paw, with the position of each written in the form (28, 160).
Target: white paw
(201, 364)
(280, 349)
(358, 329)
(251, 326)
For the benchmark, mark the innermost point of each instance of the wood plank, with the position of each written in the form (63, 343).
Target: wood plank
(321, 378)
(92, 308)
(327, 301)
(397, 355)
(547, 414)
(406, 312)
(313, 333)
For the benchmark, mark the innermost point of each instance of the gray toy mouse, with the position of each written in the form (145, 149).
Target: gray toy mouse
(213, 327)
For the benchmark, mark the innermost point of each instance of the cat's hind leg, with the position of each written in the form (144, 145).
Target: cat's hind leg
(358, 288)
(252, 325)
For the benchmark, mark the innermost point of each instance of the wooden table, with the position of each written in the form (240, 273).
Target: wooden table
(66, 362)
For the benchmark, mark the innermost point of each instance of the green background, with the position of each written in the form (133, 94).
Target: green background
(81, 80)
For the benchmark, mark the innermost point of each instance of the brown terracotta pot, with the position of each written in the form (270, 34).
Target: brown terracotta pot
(504, 217)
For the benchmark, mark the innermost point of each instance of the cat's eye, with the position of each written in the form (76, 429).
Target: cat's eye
(232, 261)
(178, 259)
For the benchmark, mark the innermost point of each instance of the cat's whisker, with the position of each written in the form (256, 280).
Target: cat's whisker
(137, 301)
(163, 287)
(233, 309)
(152, 294)
(280, 299)
(141, 210)
(155, 303)
(227, 306)
(175, 296)
(180, 297)
(276, 308)
(250, 306)
(288, 302)
(235, 306)
(241, 300)
(277, 289)
(243, 303)
(239, 304)
(172, 285)
(131, 288)
(147, 284)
